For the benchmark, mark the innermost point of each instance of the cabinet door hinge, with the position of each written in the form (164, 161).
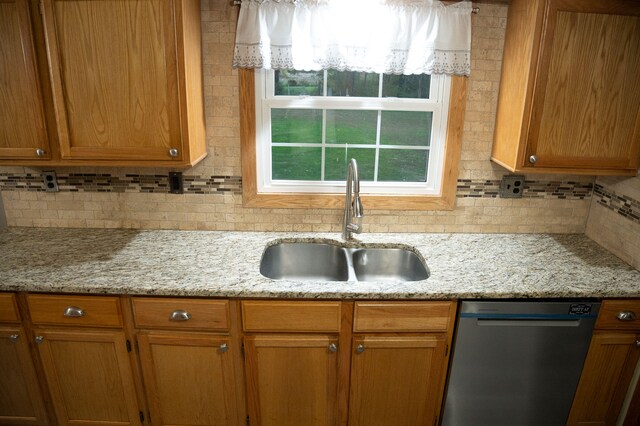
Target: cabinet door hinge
(141, 417)
(242, 352)
(248, 421)
(446, 350)
(128, 345)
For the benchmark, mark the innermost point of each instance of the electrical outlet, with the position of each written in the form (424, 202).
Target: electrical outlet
(50, 181)
(176, 183)
(511, 186)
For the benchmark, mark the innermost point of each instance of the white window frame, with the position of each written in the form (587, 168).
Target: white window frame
(438, 104)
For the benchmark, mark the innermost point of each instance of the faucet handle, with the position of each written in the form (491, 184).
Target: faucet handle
(354, 227)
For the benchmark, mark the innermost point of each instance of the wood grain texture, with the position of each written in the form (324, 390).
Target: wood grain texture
(100, 311)
(8, 308)
(395, 380)
(402, 316)
(570, 90)
(89, 376)
(633, 414)
(205, 314)
(607, 372)
(519, 62)
(291, 379)
(589, 97)
(607, 317)
(189, 379)
(20, 398)
(22, 119)
(444, 201)
(296, 316)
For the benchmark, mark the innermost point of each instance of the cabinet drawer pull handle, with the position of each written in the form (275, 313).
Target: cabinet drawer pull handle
(626, 316)
(637, 343)
(173, 152)
(224, 347)
(180, 315)
(533, 159)
(40, 152)
(333, 347)
(14, 337)
(359, 349)
(39, 339)
(73, 311)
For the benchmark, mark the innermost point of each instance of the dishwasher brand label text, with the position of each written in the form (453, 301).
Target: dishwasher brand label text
(579, 309)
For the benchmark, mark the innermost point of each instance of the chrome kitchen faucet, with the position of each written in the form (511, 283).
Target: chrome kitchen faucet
(353, 208)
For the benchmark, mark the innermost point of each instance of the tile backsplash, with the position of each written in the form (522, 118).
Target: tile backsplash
(614, 217)
(139, 198)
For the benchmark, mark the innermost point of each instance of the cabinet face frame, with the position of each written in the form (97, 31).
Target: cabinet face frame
(22, 360)
(33, 89)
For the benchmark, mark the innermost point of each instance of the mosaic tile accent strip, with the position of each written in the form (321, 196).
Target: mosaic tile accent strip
(193, 184)
(568, 190)
(96, 182)
(621, 204)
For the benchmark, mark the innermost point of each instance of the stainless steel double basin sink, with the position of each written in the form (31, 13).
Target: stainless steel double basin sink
(323, 261)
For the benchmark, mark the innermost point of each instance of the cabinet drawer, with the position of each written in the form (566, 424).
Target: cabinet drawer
(609, 311)
(291, 316)
(181, 313)
(8, 308)
(87, 311)
(402, 316)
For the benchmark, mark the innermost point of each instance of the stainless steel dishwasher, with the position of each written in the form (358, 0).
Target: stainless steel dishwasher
(517, 363)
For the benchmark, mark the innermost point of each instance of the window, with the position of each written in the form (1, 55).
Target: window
(310, 123)
(305, 97)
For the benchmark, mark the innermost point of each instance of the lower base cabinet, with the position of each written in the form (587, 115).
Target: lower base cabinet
(189, 378)
(608, 370)
(336, 363)
(20, 398)
(396, 380)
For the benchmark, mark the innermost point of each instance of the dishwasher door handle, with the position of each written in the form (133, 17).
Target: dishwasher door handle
(489, 322)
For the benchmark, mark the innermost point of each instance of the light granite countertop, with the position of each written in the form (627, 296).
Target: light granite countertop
(226, 264)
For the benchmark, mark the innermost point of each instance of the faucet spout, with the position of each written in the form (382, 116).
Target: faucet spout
(353, 208)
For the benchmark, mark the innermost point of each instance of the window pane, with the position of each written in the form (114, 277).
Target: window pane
(405, 128)
(351, 127)
(403, 165)
(352, 83)
(296, 125)
(295, 163)
(297, 83)
(406, 86)
(336, 160)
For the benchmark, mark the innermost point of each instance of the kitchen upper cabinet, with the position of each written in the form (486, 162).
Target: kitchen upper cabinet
(85, 359)
(20, 397)
(125, 81)
(608, 369)
(191, 361)
(569, 98)
(23, 129)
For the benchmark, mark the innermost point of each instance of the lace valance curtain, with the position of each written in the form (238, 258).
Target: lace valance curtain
(388, 36)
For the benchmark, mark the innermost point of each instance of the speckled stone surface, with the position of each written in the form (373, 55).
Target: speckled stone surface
(226, 264)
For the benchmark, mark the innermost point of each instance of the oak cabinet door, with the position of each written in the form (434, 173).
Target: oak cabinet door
(23, 133)
(605, 379)
(291, 379)
(89, 376)
(115, 78)
(396, 380)
(189, 379)
(587, 100)
(20, 397)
